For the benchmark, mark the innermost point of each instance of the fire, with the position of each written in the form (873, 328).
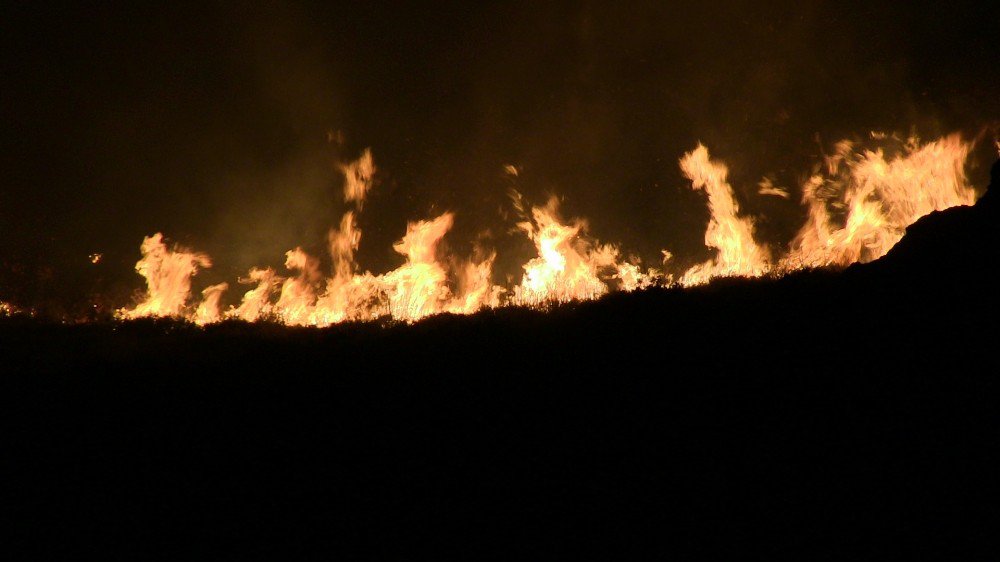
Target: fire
(297, 300)
(168, 278)
(208, 311)
(568, 264)
(425, 284)
(346, 293)
(859, 204)
(306, 298)
(358, 178)
(727, 232)
(876, 199)
(256, 303)
(417, 288)
(475, 288)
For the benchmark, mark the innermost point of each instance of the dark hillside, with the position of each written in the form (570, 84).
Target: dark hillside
(822, 416)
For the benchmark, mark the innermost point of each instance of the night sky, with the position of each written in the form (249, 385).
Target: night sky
(220, 124)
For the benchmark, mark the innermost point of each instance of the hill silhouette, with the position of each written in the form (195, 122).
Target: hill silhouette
(949, 247)
(824, 415)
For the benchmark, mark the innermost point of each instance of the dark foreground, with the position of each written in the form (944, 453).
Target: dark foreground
(825, 416)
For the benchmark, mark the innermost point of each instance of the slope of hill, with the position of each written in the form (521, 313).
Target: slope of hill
(825, 415)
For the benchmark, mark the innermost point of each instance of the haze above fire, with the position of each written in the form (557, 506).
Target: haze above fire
(221, 126)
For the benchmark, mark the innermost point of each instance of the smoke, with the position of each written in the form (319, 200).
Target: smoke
(224, 126)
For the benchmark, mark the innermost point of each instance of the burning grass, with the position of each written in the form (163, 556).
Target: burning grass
(860, 201)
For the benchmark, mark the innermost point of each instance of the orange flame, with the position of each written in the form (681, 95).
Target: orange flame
(878, 199)
(569, 263)
(358, 178)
(730, 234)
(168, 278)
(208, 311)
(858, 208)
(256, 303)
(417, 288)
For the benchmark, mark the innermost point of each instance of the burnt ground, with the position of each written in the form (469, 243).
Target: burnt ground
(823, 416)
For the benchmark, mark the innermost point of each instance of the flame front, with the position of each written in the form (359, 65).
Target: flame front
(859, 204)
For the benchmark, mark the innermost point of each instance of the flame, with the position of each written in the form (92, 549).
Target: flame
(345, 295)
(631, 277)
(859, 203)
(476, 290)
(568, 263)
(168, 278)
(878, 199)
(359, 176)
(208, 310)
(256, 303)
(298, 294)
(417, 288)
(767, 187)
(730, 234)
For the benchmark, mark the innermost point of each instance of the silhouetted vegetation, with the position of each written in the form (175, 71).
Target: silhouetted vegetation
(824, 415)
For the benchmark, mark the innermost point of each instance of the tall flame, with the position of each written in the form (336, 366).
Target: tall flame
(417, 288)
(730, 234)
(168, 278)
(298, 293)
